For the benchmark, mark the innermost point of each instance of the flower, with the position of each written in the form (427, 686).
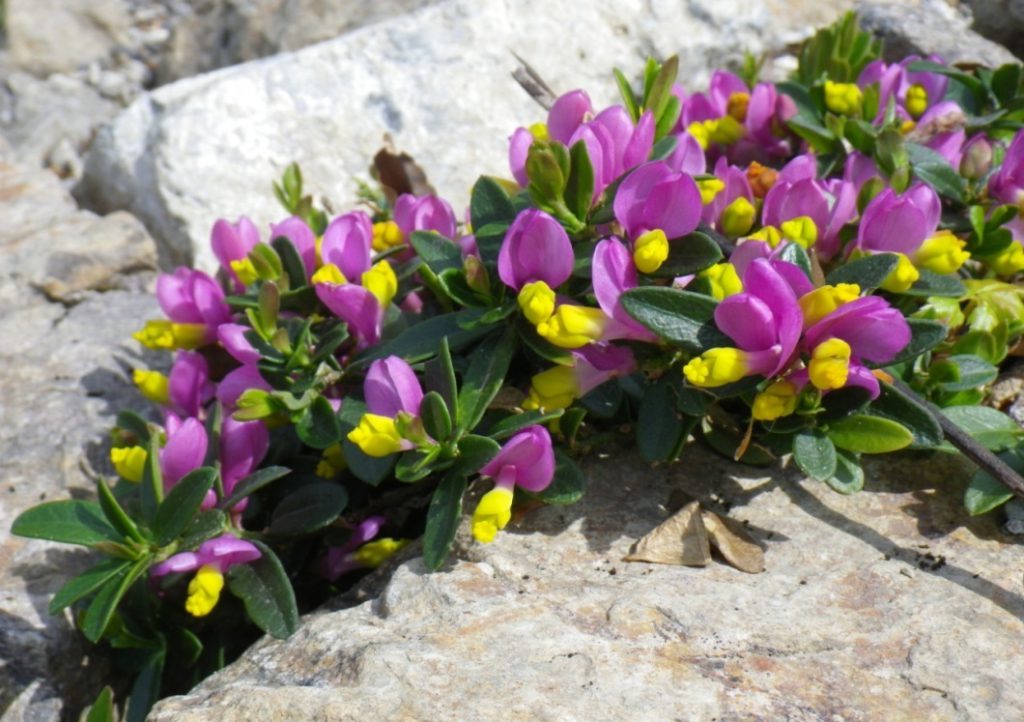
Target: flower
(210, 562)
(392, 393)
(535, 248)
(424, 213)
(527, 460)
(359, 552)
(362, 305)
(194, 305)
(231, 243)
(184, 451)
(559, 386)
(656, 197)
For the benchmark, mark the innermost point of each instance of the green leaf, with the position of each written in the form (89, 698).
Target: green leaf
(567, 485)
(182, 504)
(439, 375)
(869, 434)
(984, 493)
(690, 254)
(628, 98)
(1006, 82)
(727, 442)
(924, 336)
(936, 171)
(308, 509)
(815, 454)
(438, 252)
(910, 412)
(488, 365)
(681, 317)
(437, 421)
(868, 272)
(474, 453)
(795, 254)
(205, 525)
(151, 488)
(291, 261)
(971, 83)
(843, 402)
(102, 710)
(103, 605)
(992, 429)
(87, 582)
(252, 483)
(661, 89)
(115, 514)
(443, 520)
(419, 341)
(146, 689)
(519, 421)
(318, 426)
(661, 431)
(849, 476)
(964, 372)
(70, 521)
(415, 464)
(934, 284)
(371, 470)
(268, 596)
(579, 191)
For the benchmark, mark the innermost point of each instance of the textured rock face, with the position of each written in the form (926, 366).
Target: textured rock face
(891, 604)
(216, 33)
(930, 26)
(207, 147)
(71, 292)
(1000, 20)
(53, 36)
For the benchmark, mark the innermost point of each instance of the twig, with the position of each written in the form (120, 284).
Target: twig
(533, 84)
(965, 443)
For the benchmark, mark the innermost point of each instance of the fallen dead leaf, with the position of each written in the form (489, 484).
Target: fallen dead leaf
(734, 544)
(398, 173)
(680, 539)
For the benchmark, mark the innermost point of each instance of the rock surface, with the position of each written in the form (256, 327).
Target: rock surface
(930, 26)
(72, 288)
(207, 147)
(53, 36)
(216, 33)
(892, 604)
(1001, 21)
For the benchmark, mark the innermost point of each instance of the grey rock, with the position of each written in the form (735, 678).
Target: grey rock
(930, 26)
(54, 36)
(73, 288)
(437, 80)
(892, 604)
(1001, 21)
(217, 33)
(47, 117)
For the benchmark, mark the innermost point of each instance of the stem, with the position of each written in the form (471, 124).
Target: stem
(965, 443)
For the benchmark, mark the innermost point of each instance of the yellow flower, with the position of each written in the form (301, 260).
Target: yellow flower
(555, 388)
(801, 230)
(843, 98)
(376, 436)
(723, 279)
(153, 385)
(204, 591)
(822, 301)
(492, 514)
(716, 367)
(942, 253)
(738, 217)
(709, 188)
(830, 364)
(169, 336)
(372, 554)
(573, 326)
(381, 282)
(776, 401)
(902, 277)
(917, 100)
(537, 301)
(650, 251)
(329, 273)
(129, 462)
(386, 234)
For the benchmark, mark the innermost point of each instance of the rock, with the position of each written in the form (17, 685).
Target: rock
(437, 80)
(217, 33)
(1001, 21)
(892, 604)
(53, 116)
(930, 26)
(54, 36)
(63, 376)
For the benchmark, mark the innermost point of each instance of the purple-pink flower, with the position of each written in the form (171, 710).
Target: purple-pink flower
(536, 248)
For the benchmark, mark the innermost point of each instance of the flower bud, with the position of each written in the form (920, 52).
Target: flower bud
(977, 158)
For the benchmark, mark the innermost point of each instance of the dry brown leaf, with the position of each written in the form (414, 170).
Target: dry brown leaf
(680, 539)
(732, 541)
(398, 173)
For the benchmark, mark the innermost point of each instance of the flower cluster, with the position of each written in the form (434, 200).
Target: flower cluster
(769, 268)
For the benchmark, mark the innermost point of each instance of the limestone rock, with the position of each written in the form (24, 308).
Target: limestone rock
(63, 377)
(53, 36)
(217, 33)
(437, 80)
(1001, 21)
(892, 604)
(930, 26)
(49, 122)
